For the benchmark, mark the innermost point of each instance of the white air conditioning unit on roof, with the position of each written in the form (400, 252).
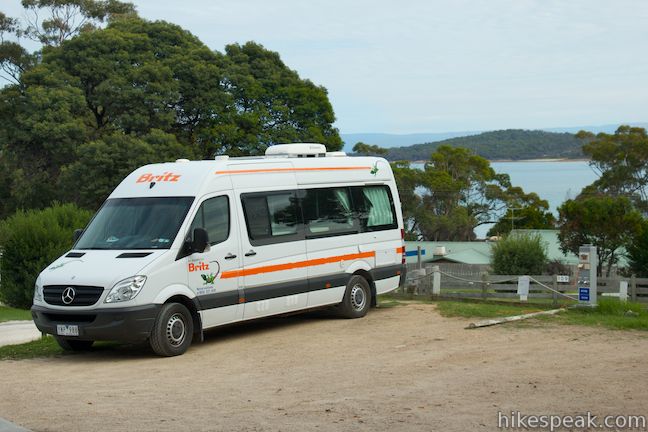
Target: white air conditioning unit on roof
(297, 150)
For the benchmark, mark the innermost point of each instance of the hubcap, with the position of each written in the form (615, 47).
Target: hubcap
(358, 297)
(176, 330)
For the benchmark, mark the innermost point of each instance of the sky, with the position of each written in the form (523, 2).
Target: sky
(415, 66)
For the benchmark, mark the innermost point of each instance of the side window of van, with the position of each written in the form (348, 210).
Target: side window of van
(272, 217)
(214, 216)
(374, 207)
(328, 211)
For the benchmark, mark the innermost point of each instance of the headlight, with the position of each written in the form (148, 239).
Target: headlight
(38, 291)
(126, 289)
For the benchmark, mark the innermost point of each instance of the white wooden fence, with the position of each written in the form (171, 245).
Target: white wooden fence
(435, 281)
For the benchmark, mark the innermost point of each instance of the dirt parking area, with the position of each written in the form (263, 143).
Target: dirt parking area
(399, 368)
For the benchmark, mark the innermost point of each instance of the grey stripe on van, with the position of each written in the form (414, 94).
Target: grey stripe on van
(282, 289)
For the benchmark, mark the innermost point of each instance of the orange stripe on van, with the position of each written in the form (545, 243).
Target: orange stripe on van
(400, 249)
(294, 265)
(276, 170)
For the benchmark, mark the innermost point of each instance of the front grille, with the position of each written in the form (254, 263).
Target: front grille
(83, 295)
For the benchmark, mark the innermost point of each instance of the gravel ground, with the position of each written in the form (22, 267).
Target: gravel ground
(400, 368)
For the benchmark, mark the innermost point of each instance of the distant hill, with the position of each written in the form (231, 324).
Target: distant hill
(608, 128)
(400, 140)
(514, 144)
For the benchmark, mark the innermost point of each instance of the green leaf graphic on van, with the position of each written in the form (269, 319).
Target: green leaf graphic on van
(374, 170)
(208, 279)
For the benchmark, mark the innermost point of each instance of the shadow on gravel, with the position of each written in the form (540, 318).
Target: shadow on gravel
(111, 351)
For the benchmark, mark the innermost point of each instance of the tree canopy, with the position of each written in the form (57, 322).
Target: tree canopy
(605, 221)
(67, 18)
(456, 192)
(621, 160)
(97, 102)
(369, 149)
(533, 214)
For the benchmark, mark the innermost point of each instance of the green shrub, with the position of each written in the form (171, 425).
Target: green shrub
(30, 240)
(638, 252)
(519, 255)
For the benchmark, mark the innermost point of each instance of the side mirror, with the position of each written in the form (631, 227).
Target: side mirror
(76, 235)
(200, 240)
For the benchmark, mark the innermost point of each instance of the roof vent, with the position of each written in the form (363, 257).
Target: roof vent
(440, 251)
(221, 157)
(182, 160)
(297, 150)
(335, 154)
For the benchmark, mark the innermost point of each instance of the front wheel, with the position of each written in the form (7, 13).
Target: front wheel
(172, 331)
(357, 298)
(73, 344)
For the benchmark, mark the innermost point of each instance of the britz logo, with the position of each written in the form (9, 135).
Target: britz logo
(201, 266)
(166, 177)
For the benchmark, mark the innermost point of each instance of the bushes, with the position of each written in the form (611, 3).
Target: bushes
(30, 241)
(638, 252)
(519, 255)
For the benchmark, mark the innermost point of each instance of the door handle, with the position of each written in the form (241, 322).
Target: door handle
(230, 256)
(250, 253)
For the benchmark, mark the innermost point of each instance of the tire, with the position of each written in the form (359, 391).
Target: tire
(172, 331)
(357, 298)
(73, 344)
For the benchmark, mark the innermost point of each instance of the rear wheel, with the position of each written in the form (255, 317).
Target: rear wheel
(357, 298)
(172, 331)
(73, 344)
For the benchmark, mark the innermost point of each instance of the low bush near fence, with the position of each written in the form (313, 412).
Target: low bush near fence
(519, 255)
(30, 240)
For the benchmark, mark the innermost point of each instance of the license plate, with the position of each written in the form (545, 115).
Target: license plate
(67, 330)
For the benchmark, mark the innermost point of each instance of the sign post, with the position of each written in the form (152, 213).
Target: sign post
(587, 283)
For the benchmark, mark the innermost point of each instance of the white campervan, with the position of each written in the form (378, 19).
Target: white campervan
(181, 247)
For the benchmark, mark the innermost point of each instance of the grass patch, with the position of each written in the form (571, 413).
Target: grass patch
(10, 314)
(483, 310)
(385, 302)
(48, 347)
(610, 313)
(44, 347)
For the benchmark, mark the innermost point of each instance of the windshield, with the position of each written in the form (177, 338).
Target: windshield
(136, 223)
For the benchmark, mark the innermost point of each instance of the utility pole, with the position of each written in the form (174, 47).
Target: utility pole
(512, 215)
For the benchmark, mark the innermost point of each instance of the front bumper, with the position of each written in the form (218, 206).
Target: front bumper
(130, 324)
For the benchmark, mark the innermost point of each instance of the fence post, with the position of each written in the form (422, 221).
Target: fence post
(426, 282)
(484, 278)
(419, 260)
(523, 288)
(623, 290)
(633, 288)
(436, 281)
(554, 297)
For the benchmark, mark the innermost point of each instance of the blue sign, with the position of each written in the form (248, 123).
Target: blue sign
(414, 252)
(583, 294)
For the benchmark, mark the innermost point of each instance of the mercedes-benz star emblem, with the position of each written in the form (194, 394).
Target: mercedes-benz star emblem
(68, 295)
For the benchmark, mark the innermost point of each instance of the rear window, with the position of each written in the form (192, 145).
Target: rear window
(374, 207)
